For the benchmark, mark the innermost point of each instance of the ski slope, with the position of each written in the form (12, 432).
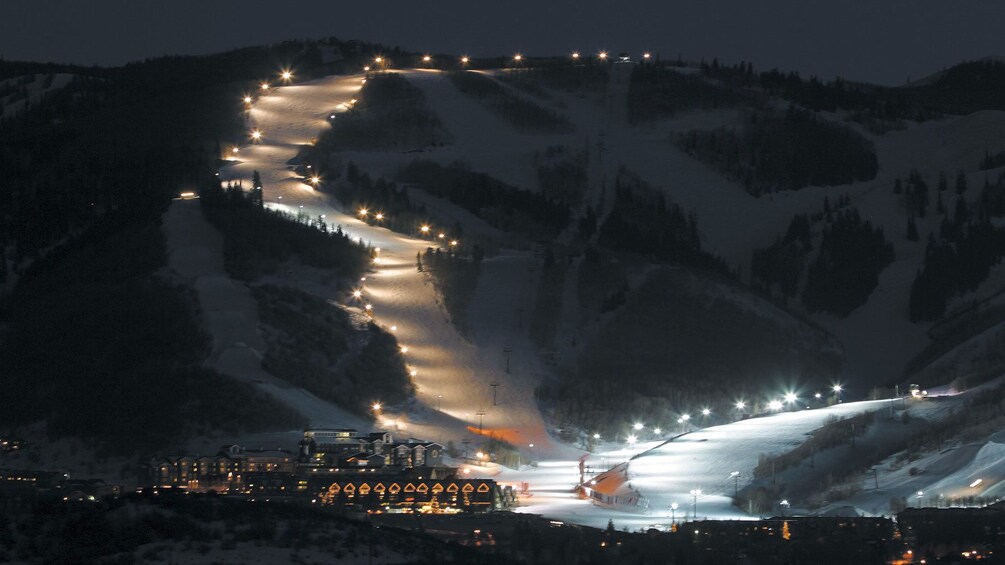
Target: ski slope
(665, 472)
(453, 375)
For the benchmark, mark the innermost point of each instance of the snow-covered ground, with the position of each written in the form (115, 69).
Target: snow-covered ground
(665, 472)
(35, 89)
(453, 375)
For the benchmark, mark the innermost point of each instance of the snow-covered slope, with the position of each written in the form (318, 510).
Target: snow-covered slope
(453, 374)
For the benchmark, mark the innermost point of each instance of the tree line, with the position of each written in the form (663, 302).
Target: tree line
(789, 151)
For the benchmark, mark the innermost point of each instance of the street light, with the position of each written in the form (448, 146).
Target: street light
(646, 55)
(673, 512)
(657, 431)
(363, 212)
(379, 216)
(426, 58)
(357, 293)
(575, 55)
(424, 230)
(315, 180)
(790, 397)
(736, 483)
(638, 426)
(247, 100)
(775, 405)
(602, 55)
(518, 57)
(784, 504)
(705, 411)
(287, 75)
(632, 439)
(695, 493)
(265, 86)
(465, 60)
(404, 349)
(740, 405)
(256, 134)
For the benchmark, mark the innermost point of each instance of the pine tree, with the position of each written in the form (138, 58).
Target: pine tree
(256, 189)
(961, 182)
(943, 182)
(912, 229)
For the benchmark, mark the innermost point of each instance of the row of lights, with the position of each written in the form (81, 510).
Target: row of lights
(517, 57)
(773, 405)
(256, 136)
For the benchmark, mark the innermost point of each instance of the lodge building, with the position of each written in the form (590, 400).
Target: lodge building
(335, 467)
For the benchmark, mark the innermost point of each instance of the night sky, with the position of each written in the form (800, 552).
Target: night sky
(873, 40)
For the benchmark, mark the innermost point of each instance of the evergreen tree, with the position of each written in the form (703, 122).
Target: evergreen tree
(256, 190)
(961, 182)
(943, 182)
(912, 229)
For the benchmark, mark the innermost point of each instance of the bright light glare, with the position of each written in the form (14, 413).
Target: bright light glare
(775, 405)
(315, 180)
(575, 54)
(426, 58)
(740, 405)
(379, 216)
(638, 426)
(632, 440)
(357, 293)
(602, 54)
(518, 57)
(376, 406)
(657, 431)
(976, 483)
(287, 75)
(265, 86)
(705, 411)
(685, 417)
(256, 134)
(235, 150)
(837, 388)
(646, 55)
(247, 100)
(404, 349)
(363, 211)
(424, 229)
(413, 372)
(368, 307)
(790, 397)
(378, 60)
(465, 59)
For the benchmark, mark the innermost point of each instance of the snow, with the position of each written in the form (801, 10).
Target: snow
(453, 374)
(195, 254)
(35, 91)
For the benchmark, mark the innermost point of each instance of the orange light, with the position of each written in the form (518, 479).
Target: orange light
(465, 59)
(287, 75)
(265, 86)
(247, 100)
(426, 58)
(518, 57)
(602, 54)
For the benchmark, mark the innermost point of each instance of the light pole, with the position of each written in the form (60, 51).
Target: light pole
(736, 483)
(784, 504)
(673, 513)
(695, 493)
(837, 392)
